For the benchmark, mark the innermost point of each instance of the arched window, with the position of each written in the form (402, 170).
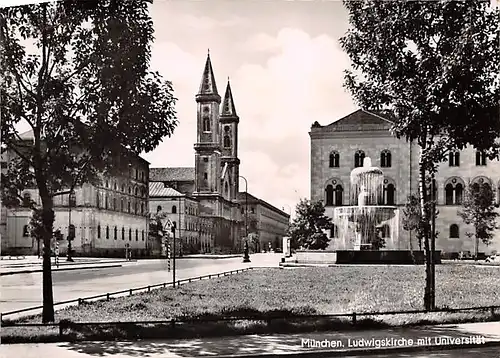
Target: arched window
(158, 208)
(105, 201)
(174, 209)
(98, 200)
(123, 233)
(128, 204)
(135, 207)
(454, 158)
(136, 235)
(206, 124)
(359, 156)
(107, 232)
(26, 231)
(459, 190)
(334, 161)
(390, 193)
(114, 186)
(129, 234)
(338, 194)
(226, 188)
(480, 158)
(136, 191)
(142, 208)
(386, 231)
(334, 231)
(454, 192)
(454, 232)
(329, 195)
(116, 233)
(142, 234)
(98, 231)
(385, 159)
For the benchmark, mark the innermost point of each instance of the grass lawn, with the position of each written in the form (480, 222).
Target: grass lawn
(300, 291)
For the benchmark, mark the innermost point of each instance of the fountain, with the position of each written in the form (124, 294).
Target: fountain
(362, 235)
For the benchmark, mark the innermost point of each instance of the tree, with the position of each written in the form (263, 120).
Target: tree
(478, 209)
(434, 67)
(307, 228)
(412, 217)
(77, 73)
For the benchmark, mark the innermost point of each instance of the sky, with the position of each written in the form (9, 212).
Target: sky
(285, 66)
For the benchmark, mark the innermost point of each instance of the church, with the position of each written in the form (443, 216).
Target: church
(339, 147)
(218, 221)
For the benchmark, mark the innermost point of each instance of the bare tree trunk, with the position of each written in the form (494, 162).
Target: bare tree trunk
(48, 297)
(433, 246)
(425, 230)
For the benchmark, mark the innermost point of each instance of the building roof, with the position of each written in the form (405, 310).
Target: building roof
(252, 198)
(208, 85)
(171, 174)
(158, 189)
(358, 121)
(228, 108)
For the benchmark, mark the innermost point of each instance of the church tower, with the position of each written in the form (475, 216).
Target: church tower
(208, 147)
(229, 145)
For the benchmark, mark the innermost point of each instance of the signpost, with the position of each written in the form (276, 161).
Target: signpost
(170, 227)
(57, 254)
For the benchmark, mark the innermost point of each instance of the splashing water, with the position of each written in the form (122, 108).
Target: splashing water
(359, 225)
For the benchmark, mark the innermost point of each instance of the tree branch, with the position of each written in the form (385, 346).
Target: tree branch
(11, 145)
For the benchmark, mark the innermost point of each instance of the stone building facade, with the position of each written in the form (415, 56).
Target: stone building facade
(106, 217)
(337, 148)
(268, 223)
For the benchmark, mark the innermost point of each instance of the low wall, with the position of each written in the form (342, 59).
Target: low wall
(317, 256)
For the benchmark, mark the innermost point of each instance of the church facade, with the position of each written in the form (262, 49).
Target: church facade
(339, 147)
(218, 220)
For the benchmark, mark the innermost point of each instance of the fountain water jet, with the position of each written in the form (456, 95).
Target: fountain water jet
(358, 236)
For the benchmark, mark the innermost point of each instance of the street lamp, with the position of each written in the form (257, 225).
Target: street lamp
(246, 205)
(71, 227)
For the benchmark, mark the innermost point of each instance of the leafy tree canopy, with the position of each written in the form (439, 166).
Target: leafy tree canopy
(433, 64)
(307, 228)
(77, 73)
(478, 209)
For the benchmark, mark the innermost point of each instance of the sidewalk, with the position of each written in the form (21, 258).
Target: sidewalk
(292, 345)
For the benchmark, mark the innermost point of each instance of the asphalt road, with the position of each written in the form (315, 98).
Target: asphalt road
(487, 352)
(25, 290)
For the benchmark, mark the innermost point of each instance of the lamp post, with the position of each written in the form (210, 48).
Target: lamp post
(71, 228)
(246, 257)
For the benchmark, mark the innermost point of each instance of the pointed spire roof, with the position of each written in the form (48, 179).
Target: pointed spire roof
(228, 108)
(208, 85)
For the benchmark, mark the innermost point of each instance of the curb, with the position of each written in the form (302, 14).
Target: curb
(208, 257)
(60, 269)
(363, 352)
(65, 264)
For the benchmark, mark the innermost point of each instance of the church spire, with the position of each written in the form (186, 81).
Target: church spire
(228, 108)
(208, 85)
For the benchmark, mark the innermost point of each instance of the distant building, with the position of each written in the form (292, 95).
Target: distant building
(339, 147)
(106, 217)
(195, 232)
(262, 219)
(213, 183)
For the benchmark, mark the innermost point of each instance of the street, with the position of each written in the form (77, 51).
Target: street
(25, 290)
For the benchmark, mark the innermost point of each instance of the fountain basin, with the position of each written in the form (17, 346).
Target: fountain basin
(368, 257)
(380, 213)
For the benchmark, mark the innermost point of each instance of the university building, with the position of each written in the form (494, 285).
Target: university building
(208, 210)
(107, 218)
(339, 147)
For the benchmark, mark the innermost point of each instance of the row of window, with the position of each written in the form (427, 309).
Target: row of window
(386, 159)
(123, 232)
(359, 156)
(132, 208)
(334, 196)
(135, 191)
